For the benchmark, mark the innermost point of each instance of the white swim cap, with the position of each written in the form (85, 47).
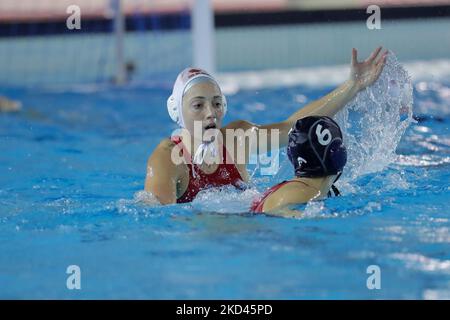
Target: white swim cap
(175, 101)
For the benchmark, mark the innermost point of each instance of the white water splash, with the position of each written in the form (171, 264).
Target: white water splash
(315, 209)
(145, 197)
(417, 261)
(225, 200)
(374, 122)
(139, 205)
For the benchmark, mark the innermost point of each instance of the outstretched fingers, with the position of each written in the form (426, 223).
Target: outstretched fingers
(382, 59)
(354, 57)
(374, 54)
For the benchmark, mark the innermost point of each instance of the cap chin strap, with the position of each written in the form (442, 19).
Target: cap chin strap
(201, 153)
(203, 150)
(334, 188)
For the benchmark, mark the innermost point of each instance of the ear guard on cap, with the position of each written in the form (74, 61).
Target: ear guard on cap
(337, 156)
(172, 108)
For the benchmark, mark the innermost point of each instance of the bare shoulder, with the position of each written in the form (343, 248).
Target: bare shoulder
(163, 151)
(240, 124)
(162, 171)
(235, 127)
(161, 159)
(166, 145)
(290, 193)
(300, 191)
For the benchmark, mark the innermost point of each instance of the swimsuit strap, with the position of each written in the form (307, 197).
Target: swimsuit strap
(334, 188)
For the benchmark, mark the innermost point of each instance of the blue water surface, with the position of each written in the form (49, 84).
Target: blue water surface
(72, 164)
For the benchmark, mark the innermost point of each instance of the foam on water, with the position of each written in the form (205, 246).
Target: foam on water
(225, 200)
(145, 204)
(146, 198)
(426, 160)
(423, 263)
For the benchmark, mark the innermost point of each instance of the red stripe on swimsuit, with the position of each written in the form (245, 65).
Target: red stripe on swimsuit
(258, 204)
(226, 174)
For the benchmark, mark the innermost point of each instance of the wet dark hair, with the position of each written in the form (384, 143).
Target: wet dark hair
(316, 148)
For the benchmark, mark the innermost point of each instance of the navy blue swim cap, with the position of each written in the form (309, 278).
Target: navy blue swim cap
(315, 147)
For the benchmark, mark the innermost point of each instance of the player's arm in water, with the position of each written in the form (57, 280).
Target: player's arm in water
(362, 75)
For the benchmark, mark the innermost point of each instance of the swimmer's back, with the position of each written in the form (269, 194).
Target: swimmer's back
(284, 194)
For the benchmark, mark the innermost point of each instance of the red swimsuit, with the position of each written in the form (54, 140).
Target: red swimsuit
(225, 174)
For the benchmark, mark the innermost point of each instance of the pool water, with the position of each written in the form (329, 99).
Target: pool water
(73, 164)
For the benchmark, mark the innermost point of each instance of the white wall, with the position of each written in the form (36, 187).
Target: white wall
(329, 44)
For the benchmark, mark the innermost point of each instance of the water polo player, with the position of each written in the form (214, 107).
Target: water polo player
(318, 155)
(198, 99)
